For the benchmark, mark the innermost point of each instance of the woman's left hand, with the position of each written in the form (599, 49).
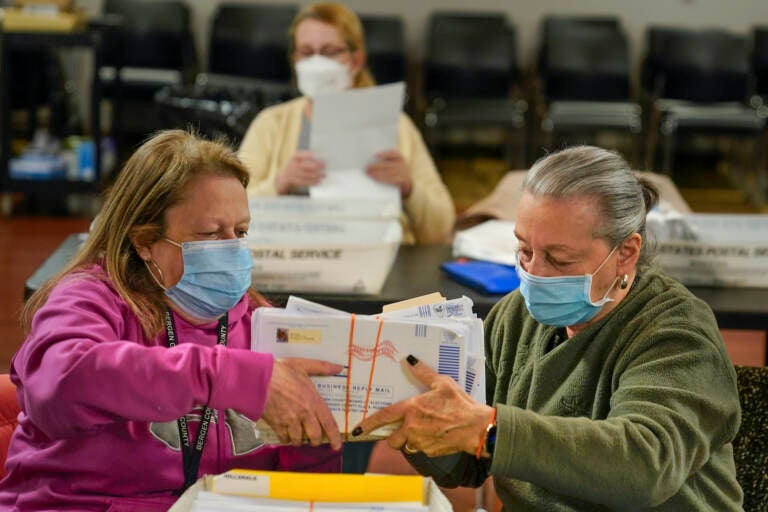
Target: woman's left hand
(440, 421)
(390, 167)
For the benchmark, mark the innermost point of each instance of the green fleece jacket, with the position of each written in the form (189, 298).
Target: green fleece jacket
(635, 412)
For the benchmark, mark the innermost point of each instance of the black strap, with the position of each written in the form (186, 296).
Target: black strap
(191, 453)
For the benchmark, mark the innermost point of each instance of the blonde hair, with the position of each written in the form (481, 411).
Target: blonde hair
(153, 180)
(346, 22)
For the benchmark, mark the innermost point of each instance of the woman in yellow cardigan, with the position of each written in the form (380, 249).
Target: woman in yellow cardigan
(328, 55)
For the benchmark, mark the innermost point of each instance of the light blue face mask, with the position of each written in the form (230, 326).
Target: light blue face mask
(561, 301)
(217, 273)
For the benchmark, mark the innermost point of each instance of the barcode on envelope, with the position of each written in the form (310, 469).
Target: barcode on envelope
(448, 361)
(470, 381)
(425, 311)
(420, 330)
(455, 309)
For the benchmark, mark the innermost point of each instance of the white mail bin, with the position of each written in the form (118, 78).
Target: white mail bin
(305, 207)
(715, 249)
(331, 256)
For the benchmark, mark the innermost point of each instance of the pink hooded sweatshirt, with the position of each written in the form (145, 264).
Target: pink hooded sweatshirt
(99, 403)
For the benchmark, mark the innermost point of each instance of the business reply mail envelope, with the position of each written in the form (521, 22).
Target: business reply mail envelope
(372, 351)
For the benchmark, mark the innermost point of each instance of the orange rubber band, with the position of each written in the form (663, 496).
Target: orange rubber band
(373, 366)
(349, 373)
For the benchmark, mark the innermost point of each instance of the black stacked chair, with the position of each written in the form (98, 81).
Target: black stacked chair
(750, 447)
(214, 108)
(651, 78)
(37, 80)
(385, 45)
(760, 60)
(252, 40)
(703, 84)
(470, 71)
(584, 81)
(152, 47)
(553, 24)
(760, 70)
(248, 70)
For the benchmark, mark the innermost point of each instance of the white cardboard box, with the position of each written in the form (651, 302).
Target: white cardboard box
(327, 256)
(312, 208)
(716, 250)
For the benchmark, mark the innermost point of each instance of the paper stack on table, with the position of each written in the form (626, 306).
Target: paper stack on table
(492, 247)
(444, 334)
(493, 240)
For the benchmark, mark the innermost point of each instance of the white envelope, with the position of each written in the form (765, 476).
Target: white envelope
(372, 351)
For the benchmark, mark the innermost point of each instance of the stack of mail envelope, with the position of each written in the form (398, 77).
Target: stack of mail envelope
(446, 335)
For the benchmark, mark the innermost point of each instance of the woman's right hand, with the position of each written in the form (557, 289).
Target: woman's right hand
(303, 170)
(294, 408)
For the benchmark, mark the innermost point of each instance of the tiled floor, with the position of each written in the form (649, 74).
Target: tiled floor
(25, 243)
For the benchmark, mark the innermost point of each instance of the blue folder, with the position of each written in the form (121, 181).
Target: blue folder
(488, 277)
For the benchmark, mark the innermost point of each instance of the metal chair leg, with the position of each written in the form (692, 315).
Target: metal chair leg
(761, 169)
(669, 134)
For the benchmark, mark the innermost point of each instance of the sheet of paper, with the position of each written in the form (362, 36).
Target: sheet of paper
(347, 131)
(492, 240)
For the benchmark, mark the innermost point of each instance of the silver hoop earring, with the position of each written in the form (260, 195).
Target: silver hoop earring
(152, 274)
(624, 282)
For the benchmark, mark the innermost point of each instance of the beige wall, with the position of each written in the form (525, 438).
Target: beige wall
(636, 15)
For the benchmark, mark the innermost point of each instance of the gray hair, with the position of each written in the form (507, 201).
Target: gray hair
(623, 199)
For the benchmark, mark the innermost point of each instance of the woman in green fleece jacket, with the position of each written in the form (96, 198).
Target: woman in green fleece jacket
(608, 384)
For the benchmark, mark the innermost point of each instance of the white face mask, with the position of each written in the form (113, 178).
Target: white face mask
(321, 75)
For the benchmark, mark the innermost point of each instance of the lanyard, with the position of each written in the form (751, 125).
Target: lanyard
(192, 453)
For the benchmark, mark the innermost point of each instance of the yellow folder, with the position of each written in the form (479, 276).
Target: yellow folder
(334, 487)
(17, 20)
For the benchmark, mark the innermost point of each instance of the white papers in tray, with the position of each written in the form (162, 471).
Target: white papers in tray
(326, 256)
(210, 502)
(493, 240)
(317, 208)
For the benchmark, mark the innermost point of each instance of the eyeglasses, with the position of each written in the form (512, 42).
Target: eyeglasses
(332, 52)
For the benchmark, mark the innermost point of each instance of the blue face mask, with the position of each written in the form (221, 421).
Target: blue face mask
(561, 301)
(217, 273)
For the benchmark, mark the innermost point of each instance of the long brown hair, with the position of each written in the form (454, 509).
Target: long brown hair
(153, 180)
(348, 25)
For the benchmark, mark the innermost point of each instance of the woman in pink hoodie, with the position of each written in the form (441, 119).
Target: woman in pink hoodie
(137, 376)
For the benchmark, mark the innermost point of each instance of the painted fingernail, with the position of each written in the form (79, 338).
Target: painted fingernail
(357, 431)
(411, 360)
